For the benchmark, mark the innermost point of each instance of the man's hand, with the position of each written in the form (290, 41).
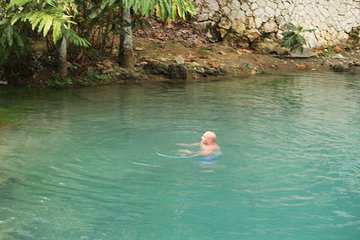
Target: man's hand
(185, 151)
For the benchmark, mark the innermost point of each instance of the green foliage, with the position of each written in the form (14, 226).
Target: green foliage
(163, 9)
(42, 21)
(72, 36)
(24, 21)
(59, 81)
(355, 35)
(93, 77)
(12, 43)
(327, 52)
(47, 16)
(293, 39)
(124, 74)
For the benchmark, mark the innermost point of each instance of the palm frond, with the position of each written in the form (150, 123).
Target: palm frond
(18, 3)
(72, 36)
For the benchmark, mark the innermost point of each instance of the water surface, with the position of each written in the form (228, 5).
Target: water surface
(83, 162)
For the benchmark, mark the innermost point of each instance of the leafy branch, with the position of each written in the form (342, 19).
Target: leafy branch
(53, 16)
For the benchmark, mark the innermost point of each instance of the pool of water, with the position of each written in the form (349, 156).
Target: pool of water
(83, 163)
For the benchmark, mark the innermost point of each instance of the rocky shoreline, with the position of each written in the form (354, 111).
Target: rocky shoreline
(181, 52)
(173, 61)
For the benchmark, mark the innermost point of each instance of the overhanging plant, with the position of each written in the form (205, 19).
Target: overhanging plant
(293, 39)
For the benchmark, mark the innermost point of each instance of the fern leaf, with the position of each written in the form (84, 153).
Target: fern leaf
(48, 25)
(51, 3)
(2, 42)
(75, 39)
(145, 6)
(5, 55)
(161, 11)
(18, 39)
(18, 3)
(181, 8)
(42, 23)
(34, 19)
(15, 18)
(174, 10)
(57, 33)
(107, 3)
(9, 35)
(3, 22)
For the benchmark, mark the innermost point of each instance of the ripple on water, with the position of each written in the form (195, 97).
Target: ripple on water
(84, 165)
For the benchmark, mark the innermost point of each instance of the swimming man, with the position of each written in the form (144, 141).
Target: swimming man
(207, 145)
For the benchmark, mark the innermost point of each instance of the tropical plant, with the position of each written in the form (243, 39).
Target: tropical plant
(50, 16)
(63, 21)
(164, 9)
(293, 39)
(13, 44)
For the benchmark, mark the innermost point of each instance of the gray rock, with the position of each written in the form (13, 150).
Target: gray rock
(177, 71)
(340, 68)
(180, 60)
(154, 67)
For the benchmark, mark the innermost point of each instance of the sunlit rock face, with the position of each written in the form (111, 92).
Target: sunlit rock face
(249, 22)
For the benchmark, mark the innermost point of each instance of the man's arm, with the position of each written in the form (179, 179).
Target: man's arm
(188, 144)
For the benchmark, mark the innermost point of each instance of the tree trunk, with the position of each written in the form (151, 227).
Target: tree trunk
(63, 63)
(126, 54)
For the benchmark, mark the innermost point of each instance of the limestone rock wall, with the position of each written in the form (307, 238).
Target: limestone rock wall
(248, 22)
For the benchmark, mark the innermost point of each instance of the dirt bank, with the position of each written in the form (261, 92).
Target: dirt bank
(182, 44)
(215, 60)
(180, 51)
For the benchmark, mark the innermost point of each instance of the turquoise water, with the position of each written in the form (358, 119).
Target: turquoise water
(83, 163)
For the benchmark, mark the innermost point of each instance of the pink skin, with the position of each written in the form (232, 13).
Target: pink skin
(207, 145)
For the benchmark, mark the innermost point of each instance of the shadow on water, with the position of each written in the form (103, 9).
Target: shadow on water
(17, 103)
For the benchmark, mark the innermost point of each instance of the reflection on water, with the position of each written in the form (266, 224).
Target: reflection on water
(83, 164)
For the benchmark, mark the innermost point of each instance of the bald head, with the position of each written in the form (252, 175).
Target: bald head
(210, 135)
